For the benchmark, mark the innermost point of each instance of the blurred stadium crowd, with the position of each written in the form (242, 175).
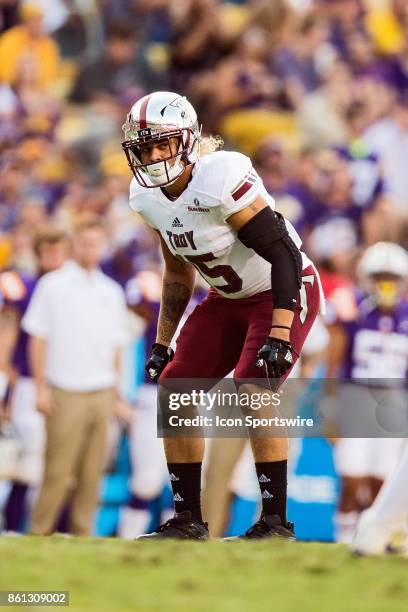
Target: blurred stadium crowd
(315, 91)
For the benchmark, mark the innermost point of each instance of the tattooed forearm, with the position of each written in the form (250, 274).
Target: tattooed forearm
(175, 297)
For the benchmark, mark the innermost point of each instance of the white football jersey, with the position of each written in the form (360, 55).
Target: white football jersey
(194, 226)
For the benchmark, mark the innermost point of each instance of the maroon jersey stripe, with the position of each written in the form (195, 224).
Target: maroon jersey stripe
(242, 190)
(143, 110)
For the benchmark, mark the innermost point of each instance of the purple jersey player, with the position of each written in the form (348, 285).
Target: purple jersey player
(16, 290)
(378, 344)
(376, 361)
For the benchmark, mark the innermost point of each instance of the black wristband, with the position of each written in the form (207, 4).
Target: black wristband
(162, 347)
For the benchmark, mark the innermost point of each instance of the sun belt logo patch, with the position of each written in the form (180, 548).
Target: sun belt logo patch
(197, 207)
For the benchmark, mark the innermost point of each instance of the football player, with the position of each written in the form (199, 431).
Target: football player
(213, 215)
(50, 246)
(376, 362)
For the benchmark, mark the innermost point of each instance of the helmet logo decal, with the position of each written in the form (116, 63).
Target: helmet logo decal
(175, 103)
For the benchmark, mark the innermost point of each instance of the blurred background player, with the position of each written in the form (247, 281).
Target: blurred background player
(376, 354)
(148, 461)
(50, 246)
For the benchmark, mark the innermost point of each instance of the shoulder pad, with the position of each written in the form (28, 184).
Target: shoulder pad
(226, 177)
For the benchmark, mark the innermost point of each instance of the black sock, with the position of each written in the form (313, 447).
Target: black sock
(186, 484)
(272, 478)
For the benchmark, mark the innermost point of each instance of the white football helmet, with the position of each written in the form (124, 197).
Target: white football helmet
(158, 117)
(383, 270)
(384, 258)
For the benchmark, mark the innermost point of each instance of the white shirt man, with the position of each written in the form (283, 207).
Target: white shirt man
(82, 317)
(77, 323)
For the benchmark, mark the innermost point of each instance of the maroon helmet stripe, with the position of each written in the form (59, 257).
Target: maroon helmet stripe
(143, 111)
(242, 190)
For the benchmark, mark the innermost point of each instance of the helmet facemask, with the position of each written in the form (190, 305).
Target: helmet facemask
(387, 289)
(168, 169)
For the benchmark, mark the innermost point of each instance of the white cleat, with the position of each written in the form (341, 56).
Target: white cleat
(373, 537)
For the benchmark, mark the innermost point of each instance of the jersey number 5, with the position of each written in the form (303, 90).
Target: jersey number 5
(234, 282)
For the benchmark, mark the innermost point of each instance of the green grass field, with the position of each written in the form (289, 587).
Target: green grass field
(103, 574)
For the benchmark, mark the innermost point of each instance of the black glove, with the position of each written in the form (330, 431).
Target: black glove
(159, 357)
(277, 356)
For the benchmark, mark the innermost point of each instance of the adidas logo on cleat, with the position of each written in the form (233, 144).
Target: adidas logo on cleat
(266, 495)
(264, 478)
(176, 223)
(177, 497)
(173, 477)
